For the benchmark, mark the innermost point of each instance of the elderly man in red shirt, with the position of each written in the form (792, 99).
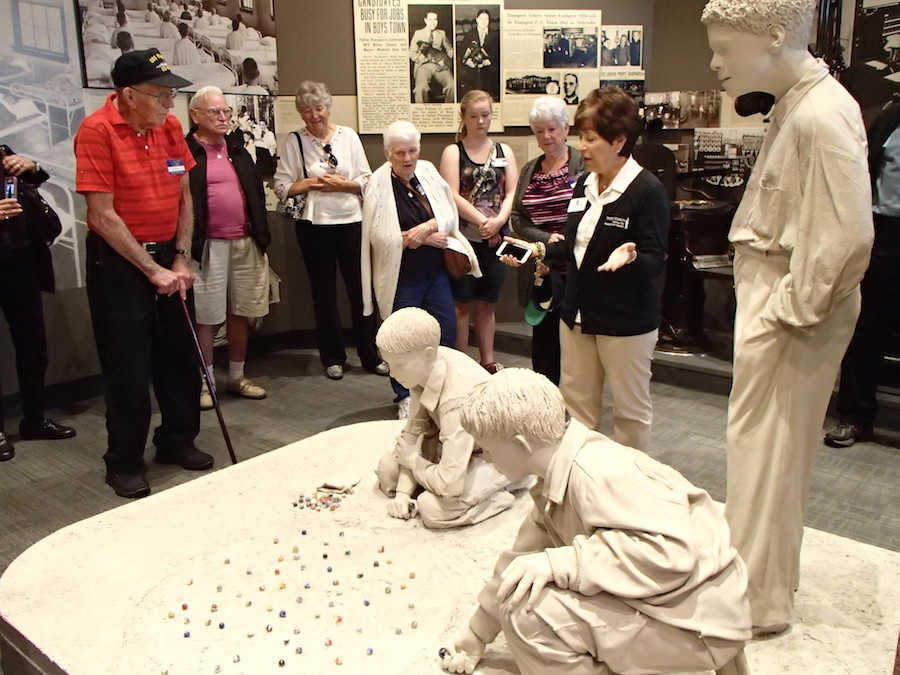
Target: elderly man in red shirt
(132, 166)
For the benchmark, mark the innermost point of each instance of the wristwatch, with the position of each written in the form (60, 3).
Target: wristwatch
(183, 252)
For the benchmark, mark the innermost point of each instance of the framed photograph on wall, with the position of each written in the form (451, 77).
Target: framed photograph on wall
(243, 61)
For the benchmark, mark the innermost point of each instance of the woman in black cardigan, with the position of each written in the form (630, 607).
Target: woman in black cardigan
(614, 248)
(26, 269)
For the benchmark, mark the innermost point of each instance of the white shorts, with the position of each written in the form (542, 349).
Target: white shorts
(233, 278)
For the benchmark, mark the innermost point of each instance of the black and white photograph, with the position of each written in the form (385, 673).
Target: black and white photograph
(733, 151)
(41, 106)
(621, 46)
(634, 88)
(570, 91)
(431, 54)
(203, 42)
(541, 85)
(570, 47)
(477, 35)
(254, 119)
(873, 76)
(684, 109)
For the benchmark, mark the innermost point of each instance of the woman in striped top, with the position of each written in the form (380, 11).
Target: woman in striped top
(539, 214)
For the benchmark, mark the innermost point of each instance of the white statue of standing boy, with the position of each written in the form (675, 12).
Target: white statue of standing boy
(622, 565)
(433, 450)
(802, 237)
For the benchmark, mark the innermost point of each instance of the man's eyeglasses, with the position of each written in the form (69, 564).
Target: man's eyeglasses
(215, 112)
(332, 160)
(163, 98)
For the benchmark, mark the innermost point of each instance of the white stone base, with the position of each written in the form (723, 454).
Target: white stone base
(94, 598)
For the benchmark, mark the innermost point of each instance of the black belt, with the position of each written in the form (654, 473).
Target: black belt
(162, 252)
(158, 247)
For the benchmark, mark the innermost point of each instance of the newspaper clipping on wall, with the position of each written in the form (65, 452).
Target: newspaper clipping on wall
(415, 61)
(547, 52)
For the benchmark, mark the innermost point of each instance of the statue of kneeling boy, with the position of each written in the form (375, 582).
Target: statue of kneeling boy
(622, 566)
(434, 457)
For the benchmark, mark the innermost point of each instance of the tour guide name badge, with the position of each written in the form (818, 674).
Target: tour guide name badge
(175, 166)
(616, 221)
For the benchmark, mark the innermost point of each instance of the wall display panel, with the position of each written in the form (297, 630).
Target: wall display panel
(233, 47)
(41, 106)
(416, 61)
(548, 53)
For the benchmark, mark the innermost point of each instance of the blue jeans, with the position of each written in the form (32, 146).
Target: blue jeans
(436, 298)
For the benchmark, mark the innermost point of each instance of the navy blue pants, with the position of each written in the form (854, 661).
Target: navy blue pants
(436, 298)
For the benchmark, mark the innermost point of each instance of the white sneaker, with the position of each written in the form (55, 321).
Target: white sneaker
(206, 402)
(403, 408)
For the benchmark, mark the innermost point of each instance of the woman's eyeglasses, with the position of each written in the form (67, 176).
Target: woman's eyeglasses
(330, 158)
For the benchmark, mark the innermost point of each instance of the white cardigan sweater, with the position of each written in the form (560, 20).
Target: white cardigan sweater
(382, 243)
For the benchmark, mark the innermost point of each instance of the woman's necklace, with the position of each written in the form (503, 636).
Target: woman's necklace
(217, 148)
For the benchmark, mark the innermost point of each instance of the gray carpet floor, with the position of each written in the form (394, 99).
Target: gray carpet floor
(52, 484)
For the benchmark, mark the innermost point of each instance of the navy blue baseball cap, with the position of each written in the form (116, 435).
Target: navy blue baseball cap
(145, 66)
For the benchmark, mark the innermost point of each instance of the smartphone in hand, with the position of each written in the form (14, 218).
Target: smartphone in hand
(10, 187)
(520, 253)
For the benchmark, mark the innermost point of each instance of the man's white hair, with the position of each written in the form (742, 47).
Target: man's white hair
(410, 329)
(515, 401)
(401, 131)
(758, 16)
(203, 93)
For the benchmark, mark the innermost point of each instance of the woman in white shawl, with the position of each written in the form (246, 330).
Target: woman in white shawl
(409, 218)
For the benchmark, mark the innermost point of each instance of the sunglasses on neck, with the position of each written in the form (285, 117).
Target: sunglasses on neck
(330, 158)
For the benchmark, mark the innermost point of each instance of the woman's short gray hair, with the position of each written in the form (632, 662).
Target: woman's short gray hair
(401, 131)
(203, 93)
(310, 94)
(548, 109)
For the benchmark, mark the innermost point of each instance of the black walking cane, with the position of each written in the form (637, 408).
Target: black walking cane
(209, 383)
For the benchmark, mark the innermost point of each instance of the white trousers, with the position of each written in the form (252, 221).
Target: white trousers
(588, 360)
(783, 379)
(483, 496)
(572, 634)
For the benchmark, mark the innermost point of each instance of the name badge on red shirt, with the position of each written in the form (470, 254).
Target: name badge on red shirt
(175, 166)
